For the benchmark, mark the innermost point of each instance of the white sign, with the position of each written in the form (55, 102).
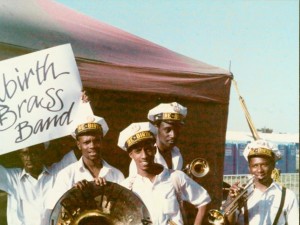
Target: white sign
(40, 98)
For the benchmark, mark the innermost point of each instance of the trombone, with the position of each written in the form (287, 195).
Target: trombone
(231, 205)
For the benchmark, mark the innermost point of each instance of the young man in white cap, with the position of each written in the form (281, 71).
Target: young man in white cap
(90, 167)
(161, 189)
(168, 118)
(270, 202)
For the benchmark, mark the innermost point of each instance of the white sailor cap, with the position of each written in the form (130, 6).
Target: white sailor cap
(135, 133)
(262, 148)
(173, 112)
(93, 124)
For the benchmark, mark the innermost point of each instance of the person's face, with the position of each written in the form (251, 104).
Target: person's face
(31, 158)
(261, 168)
(168, 134)
(90, 146)
(143, 154)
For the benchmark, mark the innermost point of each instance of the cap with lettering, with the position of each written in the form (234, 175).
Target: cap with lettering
(94, 124)
(172, 112)
(135, 133)
(262, 148)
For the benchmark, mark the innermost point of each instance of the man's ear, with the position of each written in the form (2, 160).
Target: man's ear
(130, 154)
(78, 145)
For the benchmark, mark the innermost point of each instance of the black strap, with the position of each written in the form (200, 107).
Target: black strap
(281, 205)
(246, 215)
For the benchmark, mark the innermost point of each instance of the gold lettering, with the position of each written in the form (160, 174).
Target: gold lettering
(84, 126)
(171, 116)
(257, 151)
(141, 135)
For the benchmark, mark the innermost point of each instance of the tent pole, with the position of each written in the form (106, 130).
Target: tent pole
(247, 114)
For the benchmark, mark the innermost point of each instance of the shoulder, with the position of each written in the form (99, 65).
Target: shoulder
(128, 182)
(112, 168)
(10, 171)
(178, 173)
(118, 172)
(71, 168)
(291, 194)
(68, 159)
(291, 199)
(178, 176)
(184, 179)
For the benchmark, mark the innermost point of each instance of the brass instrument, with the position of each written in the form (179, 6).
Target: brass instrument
(170, 222)
(110, 204)
(231, 205)
(197, 168)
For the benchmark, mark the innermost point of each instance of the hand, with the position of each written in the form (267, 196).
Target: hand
(234, 190)
(82, 185)
(100, 181)
(84, 97)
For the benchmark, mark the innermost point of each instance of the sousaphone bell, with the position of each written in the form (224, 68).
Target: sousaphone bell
(110, 204)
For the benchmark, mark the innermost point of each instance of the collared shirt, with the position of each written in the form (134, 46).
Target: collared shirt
(160, 196)
(177, 161)
(25, 194)
(263, 207)
(77, 172)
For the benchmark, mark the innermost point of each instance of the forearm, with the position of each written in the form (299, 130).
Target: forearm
(200, 215)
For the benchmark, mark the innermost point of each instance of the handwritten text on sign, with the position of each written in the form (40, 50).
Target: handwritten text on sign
(39, 97)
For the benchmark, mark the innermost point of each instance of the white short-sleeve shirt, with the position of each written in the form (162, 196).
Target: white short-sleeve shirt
(177, 161)
(160, 196)
(77, 172)
(263, 207)
(26, 195)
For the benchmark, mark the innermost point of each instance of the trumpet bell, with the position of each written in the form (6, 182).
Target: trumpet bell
(199, 167)
(215, 217)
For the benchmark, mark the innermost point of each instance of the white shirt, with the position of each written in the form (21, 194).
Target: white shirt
(263, 207)
(25, 194)
(177, 161)
(160, 196)
(77, 172)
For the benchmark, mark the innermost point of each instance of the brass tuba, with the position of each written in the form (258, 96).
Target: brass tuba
(110, 204)
(197, 168)
(231, 205)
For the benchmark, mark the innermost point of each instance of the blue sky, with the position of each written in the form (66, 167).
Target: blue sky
(259, 38)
